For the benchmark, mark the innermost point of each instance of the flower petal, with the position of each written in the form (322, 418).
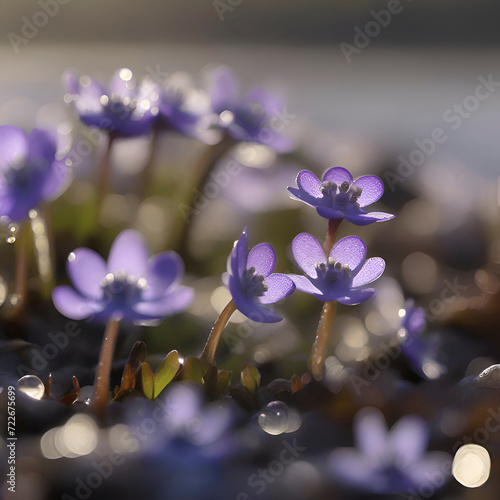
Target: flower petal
(123, 83)
(87, 269)
(223, 89)
(307, 252)
(373, 189)
(56, 180)
(371, 270)
(409, 438)
(337, 175)
(370, 433)
(169, 304)
(129, 253)
(164, 271)
(239, 254)
(330, 213)
(432, 464)
(352, 468)
(279, 287)
(355, 297)
(42, 148)
(73, 305)
(363, 219)
(249, 306)
(350, 250)
(14, 147)
(309, 183)
(263, 258)
(303, 284)
(86, 98)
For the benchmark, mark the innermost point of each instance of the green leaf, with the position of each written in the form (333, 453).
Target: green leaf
(191, 370)
(166, 372)
(147, 380)
(250, 379)
(223, 379)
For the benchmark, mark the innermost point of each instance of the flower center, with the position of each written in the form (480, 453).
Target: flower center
(122, 288)
(332, 271)
(340, 195)
(253, 284)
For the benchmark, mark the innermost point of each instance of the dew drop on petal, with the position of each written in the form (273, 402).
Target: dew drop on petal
(80, 434)
(32, 386)
(471, 465)
(274, 418)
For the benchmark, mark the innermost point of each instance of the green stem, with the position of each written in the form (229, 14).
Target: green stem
(21, 250)
(202, 175)
(101, 384)
(43, 243)
(208, 353)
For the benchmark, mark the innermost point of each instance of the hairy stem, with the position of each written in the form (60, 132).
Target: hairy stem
(101, 384)
(208, 353)
(104, 170)
(317, 358)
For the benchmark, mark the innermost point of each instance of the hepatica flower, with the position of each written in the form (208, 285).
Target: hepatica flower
(29, 171)
(342, 276)
(253, 118)
(127, 109)
(338, 197)
(186, 109)
(421, 352)
(130, 286)
(390, 462)
(252, 283)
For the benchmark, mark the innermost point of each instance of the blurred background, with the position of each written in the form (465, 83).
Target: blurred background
(408, 90)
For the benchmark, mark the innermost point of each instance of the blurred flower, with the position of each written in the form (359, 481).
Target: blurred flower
(186, 109)
(30, 172)
(257, 117)
(339, 277)
(389, 462)
(251, 283)
(126, 109)
(338, 197)
(421, 353)
(128, 287)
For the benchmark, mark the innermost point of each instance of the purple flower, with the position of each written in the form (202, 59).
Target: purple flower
(186, 109)
(338, 197)
(126, 109)
(390, 462)
(129, 286)
(251, 118)
(30, 172)
(339, 277)
(251, 283)
(421, 352)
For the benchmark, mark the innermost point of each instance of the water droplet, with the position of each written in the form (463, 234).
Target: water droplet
(11, 239)
(294, 421)
(274, 418)
(14, 299)
(33, 214)
(32, 386)
(85, 395)
(471, 465)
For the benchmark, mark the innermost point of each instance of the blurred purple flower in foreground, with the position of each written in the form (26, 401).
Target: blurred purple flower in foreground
(253, 118)
(390, 462)
(421, 353)
(129, 286)
(126, 109)
(30, 172)
(251, 283)
(338, 197)
(339, 277)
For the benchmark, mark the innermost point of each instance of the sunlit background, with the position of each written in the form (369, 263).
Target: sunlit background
(412, 96)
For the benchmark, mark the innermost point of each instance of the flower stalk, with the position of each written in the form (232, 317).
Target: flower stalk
(101, 383)
(208, 353)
